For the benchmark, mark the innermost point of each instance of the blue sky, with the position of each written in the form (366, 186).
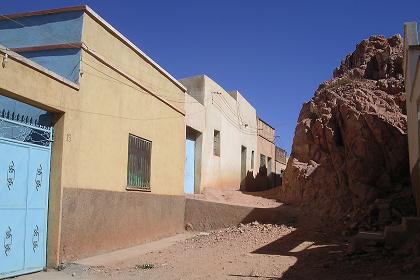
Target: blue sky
(274, 52)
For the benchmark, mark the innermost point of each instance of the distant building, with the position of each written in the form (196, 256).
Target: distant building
(412, 89)
(266, 149)
(88, 124)
(221, 142)
(281, 163)
(227, 145)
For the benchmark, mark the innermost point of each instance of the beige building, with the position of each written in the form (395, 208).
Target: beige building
(221, 139)
(266, 155)
(281, 163)
(117, 156)
(412, 88)
(227, 145)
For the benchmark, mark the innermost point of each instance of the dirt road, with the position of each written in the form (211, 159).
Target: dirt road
(297, 251)
(252, 251)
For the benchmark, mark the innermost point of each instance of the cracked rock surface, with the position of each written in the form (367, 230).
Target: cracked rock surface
(350, 151)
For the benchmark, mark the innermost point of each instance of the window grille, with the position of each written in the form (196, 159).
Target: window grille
(216, 146)
(139, 158)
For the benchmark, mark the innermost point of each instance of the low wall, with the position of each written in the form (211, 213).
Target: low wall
(95, 221)
(206, 215)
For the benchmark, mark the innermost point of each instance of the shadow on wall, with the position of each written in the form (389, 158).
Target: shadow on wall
(261, 181)
(208, 215)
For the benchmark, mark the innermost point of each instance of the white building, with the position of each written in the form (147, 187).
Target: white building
(221, 130)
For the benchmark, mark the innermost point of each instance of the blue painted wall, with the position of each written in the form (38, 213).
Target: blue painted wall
(64, 62)
(44, 30)
(41, 30)
(189, 166)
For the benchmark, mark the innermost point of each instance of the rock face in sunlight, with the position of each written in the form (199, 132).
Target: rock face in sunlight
(349, 156)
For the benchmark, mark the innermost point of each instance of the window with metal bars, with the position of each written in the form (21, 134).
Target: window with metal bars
(139, 158)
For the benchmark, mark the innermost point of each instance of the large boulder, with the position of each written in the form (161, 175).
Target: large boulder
(350, 146)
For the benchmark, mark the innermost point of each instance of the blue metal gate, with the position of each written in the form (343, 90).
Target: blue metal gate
(25, 151)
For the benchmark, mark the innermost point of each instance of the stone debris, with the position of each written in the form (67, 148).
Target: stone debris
(245, 231)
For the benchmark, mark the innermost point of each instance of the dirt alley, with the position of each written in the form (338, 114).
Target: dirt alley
(251, 251)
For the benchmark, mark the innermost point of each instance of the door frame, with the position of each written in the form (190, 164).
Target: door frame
(44, 144)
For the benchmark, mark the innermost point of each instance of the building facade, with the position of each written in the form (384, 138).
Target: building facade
(266, 149)
(412, 88)
(281, 163)
(227, 145)
(94, 121)
(221, 141)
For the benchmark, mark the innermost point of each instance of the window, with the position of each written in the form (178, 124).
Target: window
(252, 160)
(139, 157)
(262, 160)
(269, 166)
(216, 146)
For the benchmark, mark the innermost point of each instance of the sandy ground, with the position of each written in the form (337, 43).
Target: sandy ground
(252, 251)
(262, 199)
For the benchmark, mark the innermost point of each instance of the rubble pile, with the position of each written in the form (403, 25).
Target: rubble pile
(349, 159)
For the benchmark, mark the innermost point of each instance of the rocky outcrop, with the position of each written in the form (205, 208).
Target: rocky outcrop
(349, 151)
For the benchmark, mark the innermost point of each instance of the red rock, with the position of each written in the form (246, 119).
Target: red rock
(350, 143)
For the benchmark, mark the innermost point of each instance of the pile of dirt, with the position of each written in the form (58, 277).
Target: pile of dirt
(349, 159)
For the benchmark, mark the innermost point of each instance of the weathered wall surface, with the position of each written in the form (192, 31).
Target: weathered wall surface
(349, 156)
(221, 113)
(266, 146)
(92, 127)
(207, 215)
(101, 221)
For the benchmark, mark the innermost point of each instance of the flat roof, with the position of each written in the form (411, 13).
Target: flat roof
(266, 123)
(107, 26)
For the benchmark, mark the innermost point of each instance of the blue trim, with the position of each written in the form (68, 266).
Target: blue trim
(51, 29)
(64, 62)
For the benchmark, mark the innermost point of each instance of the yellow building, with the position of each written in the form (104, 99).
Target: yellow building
(117, 158)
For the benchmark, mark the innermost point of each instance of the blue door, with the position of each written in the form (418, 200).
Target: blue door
(189, 166)
(25, 151)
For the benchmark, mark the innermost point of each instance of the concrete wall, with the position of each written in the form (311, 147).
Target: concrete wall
(235, 118)
(412, 87)
(101, 221)
(121, 92)
(208, 215)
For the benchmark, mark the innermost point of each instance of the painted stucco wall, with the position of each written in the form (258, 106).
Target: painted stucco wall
(51, 29)
(228, 114)
(266, 144)
(92, 125)
(43, 30)
(98, 39)
(65, 62)
(195, 113)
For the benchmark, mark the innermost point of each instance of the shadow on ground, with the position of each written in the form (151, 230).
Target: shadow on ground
(323, 255)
